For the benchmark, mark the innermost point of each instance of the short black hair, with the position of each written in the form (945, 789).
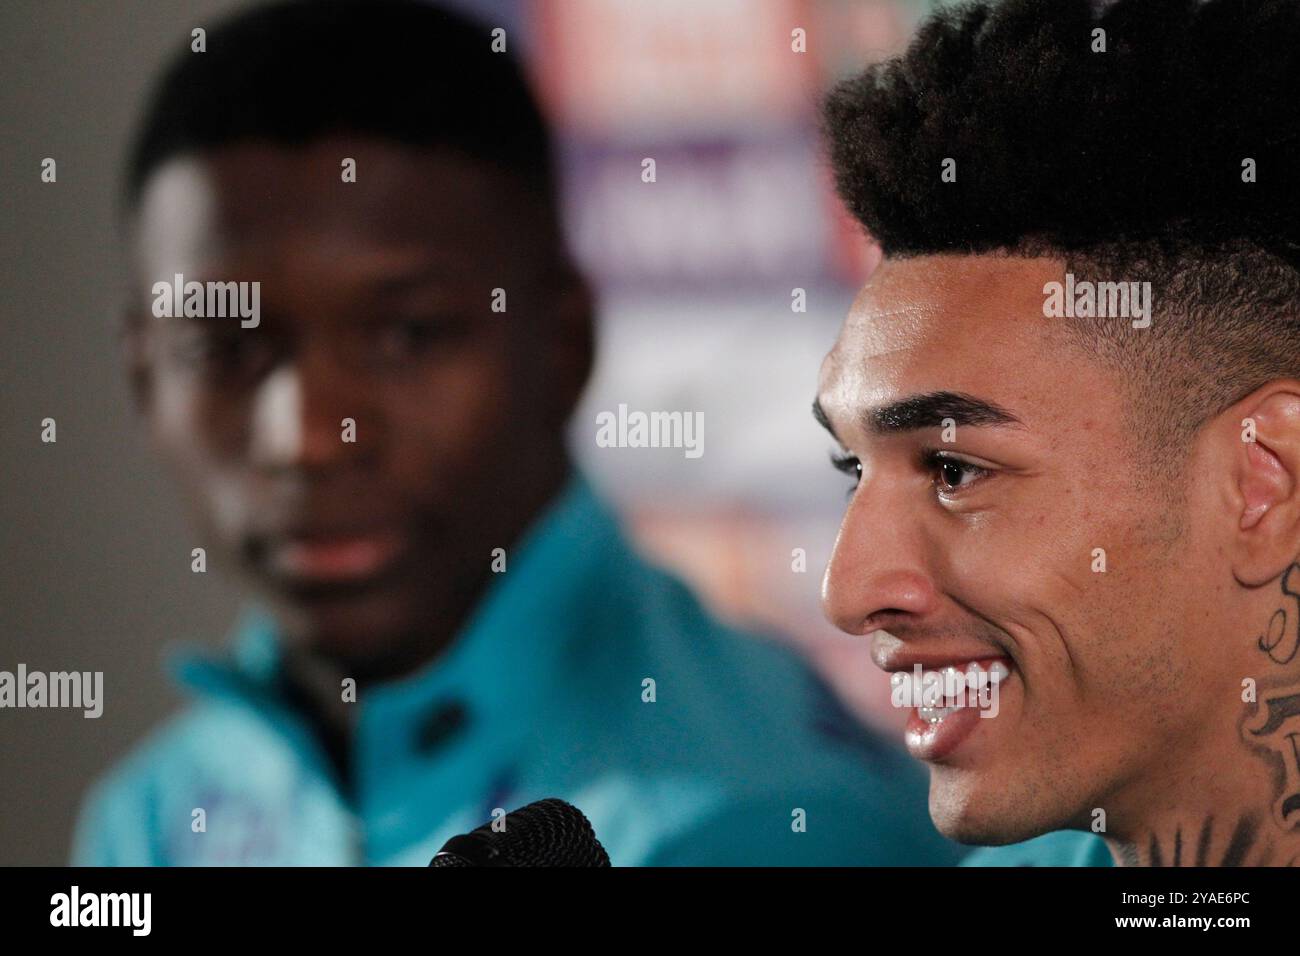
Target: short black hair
(1126, 164)
(292, 72)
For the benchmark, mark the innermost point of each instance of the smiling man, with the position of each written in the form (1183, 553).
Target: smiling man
(445, 622)
(1102, 505)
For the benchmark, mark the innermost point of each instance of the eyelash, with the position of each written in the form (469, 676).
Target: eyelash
(846, 463)
(931, 460)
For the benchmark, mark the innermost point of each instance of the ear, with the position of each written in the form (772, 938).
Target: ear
(573, 345)
(133, 333)
(1266, 482)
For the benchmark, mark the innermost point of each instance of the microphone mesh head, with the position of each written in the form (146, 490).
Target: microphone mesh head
(449, 859)
(549, 832)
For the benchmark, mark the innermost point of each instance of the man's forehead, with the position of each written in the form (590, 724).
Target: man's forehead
(988, 294)
(245, 206)
(962, 324)
(176, 222)
(391, 191)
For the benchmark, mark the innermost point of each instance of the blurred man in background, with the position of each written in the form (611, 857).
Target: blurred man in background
(448, 622)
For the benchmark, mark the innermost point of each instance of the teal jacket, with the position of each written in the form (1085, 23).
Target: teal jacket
(1061, 848)
(740, 758)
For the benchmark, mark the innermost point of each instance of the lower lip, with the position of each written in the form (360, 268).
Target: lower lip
(927, 741)
(938, 741)
(337, 559)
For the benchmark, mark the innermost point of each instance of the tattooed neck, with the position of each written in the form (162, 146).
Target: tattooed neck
(1271, 726)
(1256, 820)
(1242, 844)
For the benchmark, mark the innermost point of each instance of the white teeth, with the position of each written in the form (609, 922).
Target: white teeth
(935, 714)
(937, 694)
(954, 685)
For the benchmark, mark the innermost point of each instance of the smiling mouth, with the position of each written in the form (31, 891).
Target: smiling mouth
(951, 687)
(950, 714)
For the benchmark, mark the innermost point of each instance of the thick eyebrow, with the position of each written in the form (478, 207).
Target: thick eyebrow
(925, 411)
(819, 413)
(403, 280)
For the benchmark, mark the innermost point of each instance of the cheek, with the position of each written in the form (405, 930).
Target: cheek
(189, 426)
(1110, 596)
(1020, 563)
(1036, 573)
(452, 421)
(1142, 650)
(196, 435)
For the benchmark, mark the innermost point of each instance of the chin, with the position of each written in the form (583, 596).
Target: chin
(986, 809)
(364, 630)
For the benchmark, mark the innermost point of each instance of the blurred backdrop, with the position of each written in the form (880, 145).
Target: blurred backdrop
(696, 278)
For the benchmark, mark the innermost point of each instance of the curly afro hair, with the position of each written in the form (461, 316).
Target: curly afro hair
(1074, 147)
(1129, 161)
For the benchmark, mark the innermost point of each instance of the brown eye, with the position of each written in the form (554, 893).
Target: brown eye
(848, 464)
(219, 350)
(953, 474)
(407, 339)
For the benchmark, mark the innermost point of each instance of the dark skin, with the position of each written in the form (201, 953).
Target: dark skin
(375, 306)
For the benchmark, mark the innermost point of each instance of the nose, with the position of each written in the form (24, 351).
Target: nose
(878, 571)
(298, 414)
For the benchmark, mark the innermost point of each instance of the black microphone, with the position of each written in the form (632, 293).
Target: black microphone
(549, 832)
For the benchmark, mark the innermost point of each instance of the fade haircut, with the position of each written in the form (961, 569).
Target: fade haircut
(1125, 164)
